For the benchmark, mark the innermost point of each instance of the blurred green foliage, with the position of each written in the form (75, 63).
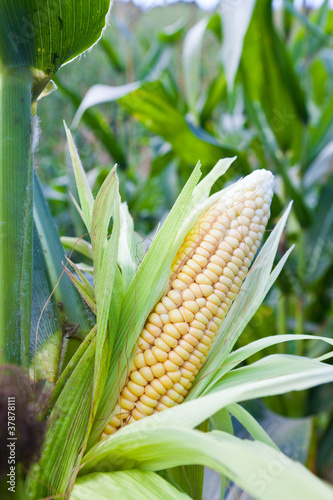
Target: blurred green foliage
(278, 114)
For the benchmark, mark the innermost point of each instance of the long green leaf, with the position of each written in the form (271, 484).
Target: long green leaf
(264, 59)
(235, 22)
(83, 287)
(97, 122)
(190, 478)
(191, 62)
(251, 424)
(80, 245)
(103, 93)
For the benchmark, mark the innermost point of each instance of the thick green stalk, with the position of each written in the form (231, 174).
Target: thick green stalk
(16, 196)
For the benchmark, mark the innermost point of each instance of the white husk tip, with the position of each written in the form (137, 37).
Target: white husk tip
(257, 179)
(262, 177)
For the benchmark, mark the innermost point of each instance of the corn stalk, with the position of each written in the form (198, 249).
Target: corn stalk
(15, 215)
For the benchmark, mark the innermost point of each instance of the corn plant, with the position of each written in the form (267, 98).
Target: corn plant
(93, 394)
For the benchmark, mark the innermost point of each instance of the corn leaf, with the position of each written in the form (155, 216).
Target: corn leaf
(70, 307)
(191, 63)
(283, 102)
(46, 332)
(85, 282)
(320, 133)
(266, 134)
(98, 94)
(241, 460)
(235, 22)
(190, 478)
(96, 120)
(243, 353)
(149, 103)
(125, 485)
(69, 369)
(221, 421)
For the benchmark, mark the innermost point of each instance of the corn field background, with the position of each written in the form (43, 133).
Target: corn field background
(162, 90)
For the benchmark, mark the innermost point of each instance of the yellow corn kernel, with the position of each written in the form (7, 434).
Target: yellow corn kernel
(158, 370)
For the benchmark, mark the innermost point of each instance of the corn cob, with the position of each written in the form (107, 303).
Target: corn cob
(207, 273)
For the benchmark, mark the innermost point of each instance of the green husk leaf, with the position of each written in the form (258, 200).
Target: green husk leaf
(125, 485)
(127, 246)
(46, 333)
(190, 478)
(274, 375)
(85, 194)
(241, 460)
(71, 366)
(221, 421)
(85, 282)
(81, 246)
(82, 288)
(105, 252)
